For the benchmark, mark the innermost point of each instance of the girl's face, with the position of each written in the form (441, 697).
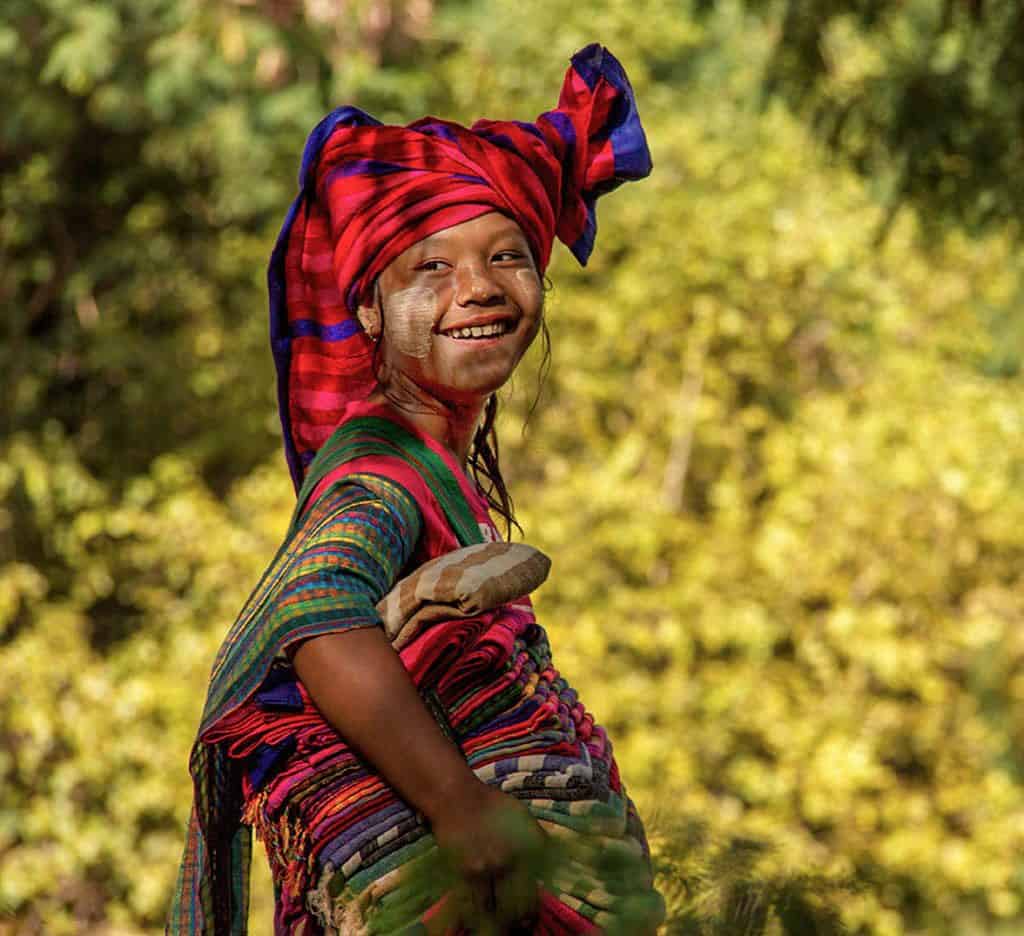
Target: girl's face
(459, 309)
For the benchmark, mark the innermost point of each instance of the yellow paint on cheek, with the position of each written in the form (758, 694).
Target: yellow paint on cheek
(409, 320)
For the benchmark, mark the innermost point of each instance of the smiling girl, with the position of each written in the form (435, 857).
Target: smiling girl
(387, 694)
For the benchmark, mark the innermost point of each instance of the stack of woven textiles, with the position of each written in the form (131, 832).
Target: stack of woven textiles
(332, 826)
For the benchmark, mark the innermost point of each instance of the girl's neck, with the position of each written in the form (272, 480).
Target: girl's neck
(451, 424)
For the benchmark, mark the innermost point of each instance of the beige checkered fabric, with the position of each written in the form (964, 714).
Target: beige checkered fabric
(461, 583)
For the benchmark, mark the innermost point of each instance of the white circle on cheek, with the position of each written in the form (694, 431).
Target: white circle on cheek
(410, 315)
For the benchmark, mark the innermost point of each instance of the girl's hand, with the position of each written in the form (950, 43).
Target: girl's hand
(495, 845)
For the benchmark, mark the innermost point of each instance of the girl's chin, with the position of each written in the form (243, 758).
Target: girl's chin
(465, 392)
(468, 382)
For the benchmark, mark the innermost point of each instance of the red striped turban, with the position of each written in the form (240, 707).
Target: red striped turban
(369, 191)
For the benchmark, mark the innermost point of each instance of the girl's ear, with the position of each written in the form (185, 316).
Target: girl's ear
(370, 315)
(369, 318)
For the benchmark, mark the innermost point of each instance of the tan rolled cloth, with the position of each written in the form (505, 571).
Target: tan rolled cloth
(462, 583)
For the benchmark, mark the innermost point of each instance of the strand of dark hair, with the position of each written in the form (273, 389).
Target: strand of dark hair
(483, 461)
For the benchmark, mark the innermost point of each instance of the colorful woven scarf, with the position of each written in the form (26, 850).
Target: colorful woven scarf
(212, 888)
(370, 191)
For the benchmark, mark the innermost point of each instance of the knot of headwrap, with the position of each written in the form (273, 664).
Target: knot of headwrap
(369, 191)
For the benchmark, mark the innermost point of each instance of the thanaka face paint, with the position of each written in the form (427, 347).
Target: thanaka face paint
(478, 269)
(409, 320)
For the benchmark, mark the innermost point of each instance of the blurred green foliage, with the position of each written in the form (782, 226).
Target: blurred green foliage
(777, 461)
(924, 96)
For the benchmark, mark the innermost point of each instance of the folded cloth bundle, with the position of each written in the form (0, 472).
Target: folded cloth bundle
(461, 584)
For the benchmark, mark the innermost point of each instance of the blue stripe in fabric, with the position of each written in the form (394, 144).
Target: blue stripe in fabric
(265, 760)
(279, 692)
(305, 328)
(283, 698)
(629, 145)
(631, 155)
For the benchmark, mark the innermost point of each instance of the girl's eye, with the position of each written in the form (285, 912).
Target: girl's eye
(432, 266)
(504, 255)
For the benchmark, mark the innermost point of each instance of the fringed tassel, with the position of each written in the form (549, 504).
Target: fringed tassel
(295, 844)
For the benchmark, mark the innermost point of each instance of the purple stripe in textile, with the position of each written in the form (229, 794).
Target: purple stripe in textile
(353, 831)
(367, 167)
(509, 718)
(629, 144)
(530, 128)
(503, 768)
(502, 140)
(438, 130)
(588, 63)
(558, 762)
(584, 244)
(631, 155)
(344, 846)
(566, 131)
(306, 328)
(551, 763)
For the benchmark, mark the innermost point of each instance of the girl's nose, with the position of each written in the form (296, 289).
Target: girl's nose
(475, 285)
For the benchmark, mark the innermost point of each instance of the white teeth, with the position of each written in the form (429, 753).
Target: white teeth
(480, 331)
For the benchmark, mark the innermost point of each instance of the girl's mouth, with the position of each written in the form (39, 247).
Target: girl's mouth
(479, 332)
